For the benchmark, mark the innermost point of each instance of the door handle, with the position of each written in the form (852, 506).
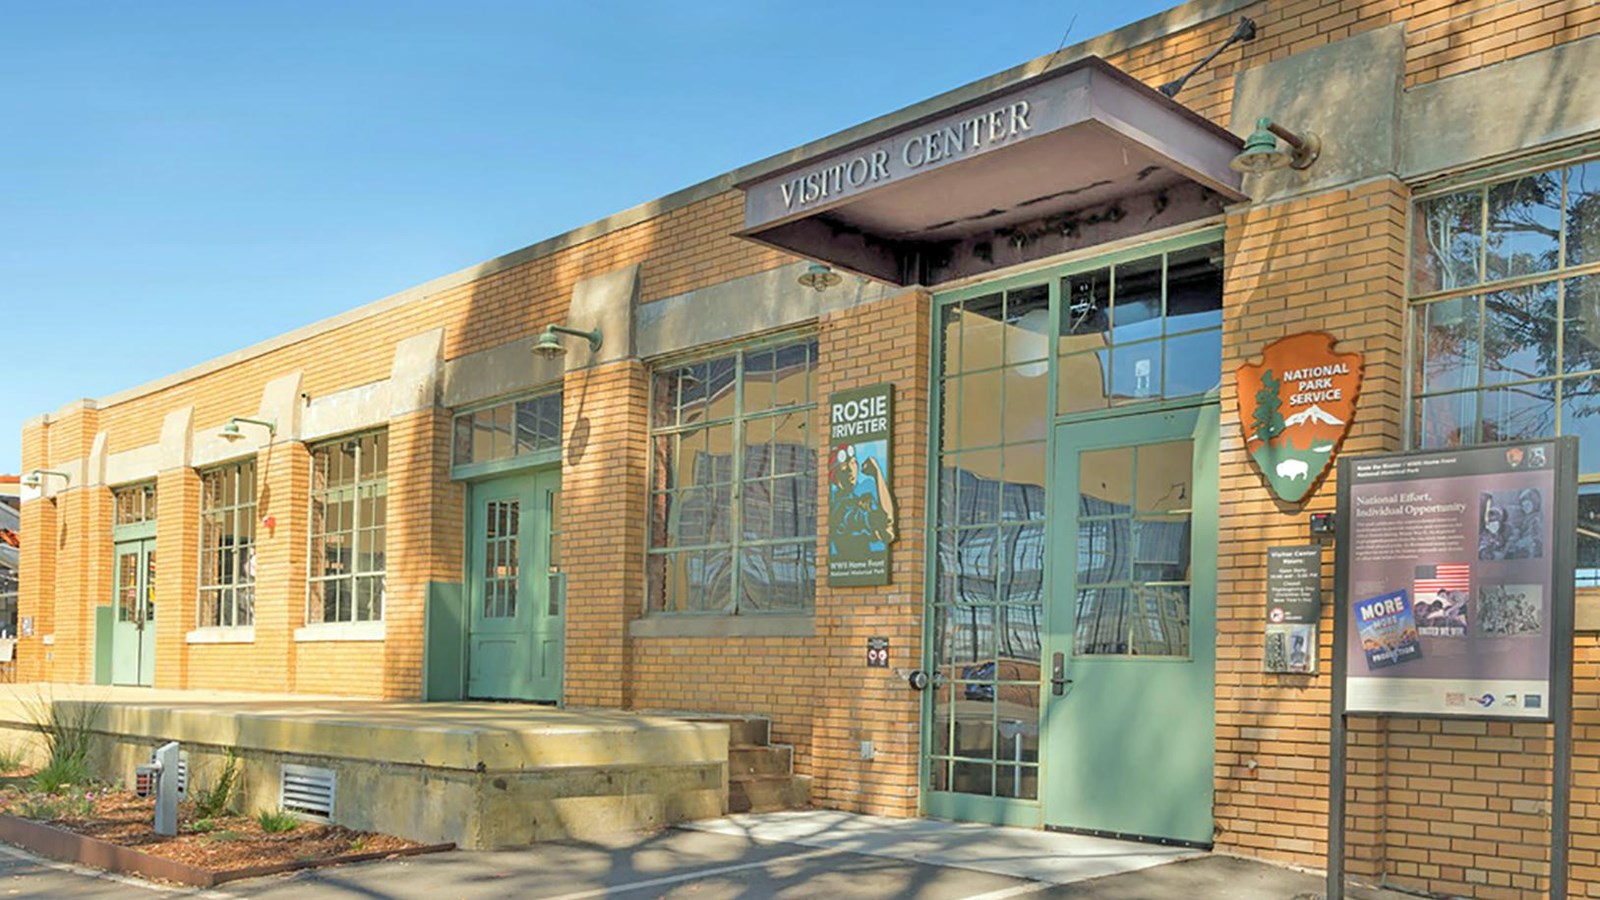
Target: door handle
(1058, 675)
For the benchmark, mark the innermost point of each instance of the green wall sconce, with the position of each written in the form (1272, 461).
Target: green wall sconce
(549, 345)
(1261, 153)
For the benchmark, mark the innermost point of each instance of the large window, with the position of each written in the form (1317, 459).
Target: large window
(1505, 283)
(228, 545)
(349, 521)
(733, 486)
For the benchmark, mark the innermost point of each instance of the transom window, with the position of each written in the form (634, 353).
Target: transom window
(509, 430)
(349, 523)
(733, 485)
(228, 545)
(1505, 284)
(134, 504)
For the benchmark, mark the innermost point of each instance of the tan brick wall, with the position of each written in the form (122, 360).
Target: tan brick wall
(424, 543)
(178, 582)
(603, 501)
(36, 589)
(817, 691)
(1330, 262)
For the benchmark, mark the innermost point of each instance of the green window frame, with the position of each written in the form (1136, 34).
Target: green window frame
(349, 523)
(733, 481)
(228, 545)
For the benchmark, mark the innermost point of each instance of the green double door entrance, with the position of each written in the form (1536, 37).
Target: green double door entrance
(1093, 711)
(133, 625)
(515, 596)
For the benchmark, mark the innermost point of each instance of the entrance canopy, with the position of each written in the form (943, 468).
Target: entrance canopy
(1077, 156)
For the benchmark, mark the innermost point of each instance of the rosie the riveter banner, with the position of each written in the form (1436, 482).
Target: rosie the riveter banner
(1450, 565)
(861, 520)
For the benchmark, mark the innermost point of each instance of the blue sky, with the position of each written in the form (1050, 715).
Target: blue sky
(178, 180)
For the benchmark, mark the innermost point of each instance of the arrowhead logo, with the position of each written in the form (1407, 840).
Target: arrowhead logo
(1295, 407)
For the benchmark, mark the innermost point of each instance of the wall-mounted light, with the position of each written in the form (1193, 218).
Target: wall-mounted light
(819, 277)
(230, 432)
(33, 479)
(1261, 153)
(549, 345)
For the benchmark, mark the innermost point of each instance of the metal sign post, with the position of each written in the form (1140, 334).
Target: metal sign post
(1440, 556)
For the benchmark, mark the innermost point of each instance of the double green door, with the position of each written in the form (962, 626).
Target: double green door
(516, 623)
(133, 626)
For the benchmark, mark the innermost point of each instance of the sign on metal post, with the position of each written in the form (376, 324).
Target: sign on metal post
(1453, 598)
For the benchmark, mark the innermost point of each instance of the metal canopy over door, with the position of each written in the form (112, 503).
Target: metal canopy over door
(516, 626)
(1129, 713)
(133, 631)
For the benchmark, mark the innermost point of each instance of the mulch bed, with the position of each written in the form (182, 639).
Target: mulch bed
(231, 843)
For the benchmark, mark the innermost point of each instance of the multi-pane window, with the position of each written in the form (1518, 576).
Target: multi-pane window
(1142, 330)
(134, 504)
(733, 487)
(509, 430)
(228, 545)
(989, 588)
(349, 520)
(1506, 279)
(1505, 283)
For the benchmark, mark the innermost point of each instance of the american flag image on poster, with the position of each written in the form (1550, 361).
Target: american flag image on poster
(1441, 594)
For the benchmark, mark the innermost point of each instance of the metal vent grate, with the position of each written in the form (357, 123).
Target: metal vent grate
(307, 791)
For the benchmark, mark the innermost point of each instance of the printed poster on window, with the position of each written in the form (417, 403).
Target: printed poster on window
(861, 515)
(1450, 580)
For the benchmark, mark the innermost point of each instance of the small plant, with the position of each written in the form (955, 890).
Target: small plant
(204, 826)
(276, 821)
(61, 773)
(213, 801)
(68, 730)
(358, 844)
(219, 837)
(11, 759)
(41, 809)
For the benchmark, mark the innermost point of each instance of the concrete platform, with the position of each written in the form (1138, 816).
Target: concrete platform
(482, 775)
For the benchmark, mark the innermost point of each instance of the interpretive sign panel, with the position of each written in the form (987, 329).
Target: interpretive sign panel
(1455, 583)
(861, 518)
(1294, 603)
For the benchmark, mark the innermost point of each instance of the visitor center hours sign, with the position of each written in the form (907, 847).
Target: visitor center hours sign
(1456, 579)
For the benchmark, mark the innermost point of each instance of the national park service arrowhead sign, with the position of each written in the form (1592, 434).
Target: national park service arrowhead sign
(1295, 407)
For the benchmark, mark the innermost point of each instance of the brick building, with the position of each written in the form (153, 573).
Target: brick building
(1057, 272)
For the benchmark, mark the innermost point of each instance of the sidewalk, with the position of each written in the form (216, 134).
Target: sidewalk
(800, 855)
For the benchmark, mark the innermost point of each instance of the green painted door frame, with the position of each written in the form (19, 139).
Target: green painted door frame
(133, 633)
(515, 605)
(1129, 733)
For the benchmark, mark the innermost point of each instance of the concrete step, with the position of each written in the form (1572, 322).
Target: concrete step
(742, 730)
(768, 793)
(760, 759)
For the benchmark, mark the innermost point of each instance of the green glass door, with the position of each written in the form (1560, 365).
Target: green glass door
(517, 624)
(1129, 701)
(133, 629)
